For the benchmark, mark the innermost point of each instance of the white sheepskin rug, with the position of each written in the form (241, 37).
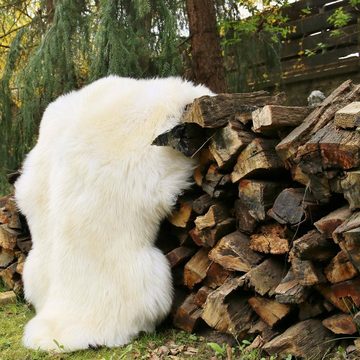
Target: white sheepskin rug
(94, 191)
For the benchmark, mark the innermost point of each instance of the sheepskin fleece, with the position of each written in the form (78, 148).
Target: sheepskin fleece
(94, 191)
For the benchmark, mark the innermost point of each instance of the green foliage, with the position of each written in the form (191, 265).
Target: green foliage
(339, 18)
(220, 351)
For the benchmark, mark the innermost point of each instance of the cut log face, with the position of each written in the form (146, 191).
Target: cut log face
(340, 324)
(307, 339)
(227, 143)
(340, 268)
(196, 268)
(270, 311)
(215, 111)
(8, 237)
(292, 206)
(182, 216)
(258, 196)
(188, 314)
(330, 148)
(259, 157)
(233, 253)
(330, 222)
(348, 289)
(266, 277)
(290, 291)
(179, 255)
(306, 273)
(313, 246)
(227, 313)
(349, 116)
(216, 214)
(350, 186)
(273, 117)
(271, 240)
(317, 119)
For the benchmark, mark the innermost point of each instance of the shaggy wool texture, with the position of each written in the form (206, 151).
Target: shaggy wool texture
(94, 191)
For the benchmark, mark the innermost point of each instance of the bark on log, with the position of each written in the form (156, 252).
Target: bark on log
(188, 314)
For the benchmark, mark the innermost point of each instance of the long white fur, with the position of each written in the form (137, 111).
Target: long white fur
(94, 191)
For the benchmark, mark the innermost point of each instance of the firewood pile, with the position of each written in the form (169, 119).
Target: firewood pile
(266, 244)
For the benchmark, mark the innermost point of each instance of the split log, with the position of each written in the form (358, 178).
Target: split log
(264, 330)
(268, 310)
(216, 276)
(290, 291)
(215, 184)
(226, 312)
(271, 240)
(7, 297)
(196, 268)
(350, 186)
(340, 324)
(306, 273)
(216, 214)
(307, 339)
(8, 237)
(330, 148)
(188, 314)
(201, 295)
(258, 196)
(349, 116)
(317, 119)
(182, 216)
(24, 243)
(258, 158)
(215, 111)
(266, 277)
(311, 309)
(205, 159)
(179, 255)
(313, 246)
(272, 117)
(293, 206)
(233, 253)
(6, 257)
(245, 222)
(202, 203)
(348, 289)
(330, 222)
(226, 144)
(325, 290)
(340, 268)
(9, 276)
(186, 138)
(208, 237)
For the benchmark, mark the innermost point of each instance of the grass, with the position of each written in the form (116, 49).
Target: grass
(13, 318)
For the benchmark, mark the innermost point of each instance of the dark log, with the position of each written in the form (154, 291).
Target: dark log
(196, 268)
(326, 291)
(245, 222)
(216, 184)
(226, 311)
(340, 324)
(349, 116)
(306, 339)
(266, 277)
(208, 237)
(179, 255)
(348, 289)
(6, 257)
(268, 310)
(233, 253)
(293, 206)
(330, 222)
(264, 330)
(186, 138)
(311, 309)
(201, 204)
(188, 314)
(290, 291)
(317, 119)
(201, 295)
(272, 117)
(313, 246)
(226, 144)
(340, 268)
(216, 111)
(258, 196)
(271, 240)
(8, 237)
(258, 158)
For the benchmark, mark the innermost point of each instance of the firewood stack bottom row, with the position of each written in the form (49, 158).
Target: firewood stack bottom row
(266, 244)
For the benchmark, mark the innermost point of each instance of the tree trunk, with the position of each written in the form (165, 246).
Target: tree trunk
(207, 63)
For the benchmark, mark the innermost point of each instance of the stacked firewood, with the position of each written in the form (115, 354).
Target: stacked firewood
(15, 243)
(267, 244)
